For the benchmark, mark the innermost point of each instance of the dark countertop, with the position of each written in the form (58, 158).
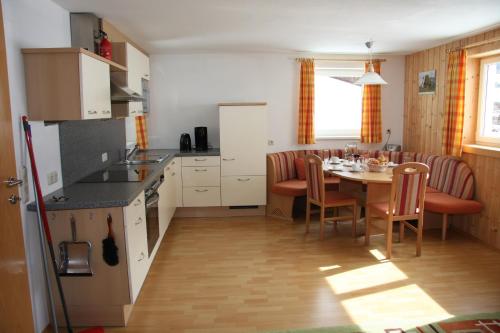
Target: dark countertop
(102, 195)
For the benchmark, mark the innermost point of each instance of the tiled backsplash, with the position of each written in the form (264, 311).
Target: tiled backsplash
(83, 142)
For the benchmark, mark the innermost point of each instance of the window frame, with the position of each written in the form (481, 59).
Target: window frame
(330, 68)
(484, 140)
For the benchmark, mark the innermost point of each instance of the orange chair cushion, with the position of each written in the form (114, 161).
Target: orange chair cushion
(335, 197)
(296, 187)
(291, 187)
(431, 190)
(300, 167)
(446, 204)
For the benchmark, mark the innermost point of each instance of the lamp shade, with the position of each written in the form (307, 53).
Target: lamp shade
(370, 77)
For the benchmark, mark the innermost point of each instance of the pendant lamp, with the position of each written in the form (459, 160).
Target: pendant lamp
(370, 77)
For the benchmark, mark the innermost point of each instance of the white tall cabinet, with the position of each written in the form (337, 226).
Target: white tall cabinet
(243, 141)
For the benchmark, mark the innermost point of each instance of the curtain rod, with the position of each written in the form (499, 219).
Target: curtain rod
(476, 44)
(325, 59)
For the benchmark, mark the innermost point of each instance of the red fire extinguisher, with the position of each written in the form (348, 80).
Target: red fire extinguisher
(105, 48)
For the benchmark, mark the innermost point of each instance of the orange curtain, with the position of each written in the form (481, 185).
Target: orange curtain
(371, 115)
(454, 112)
(141, 131)
(306, 103)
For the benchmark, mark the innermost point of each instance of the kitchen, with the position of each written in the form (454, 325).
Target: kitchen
(158, 159)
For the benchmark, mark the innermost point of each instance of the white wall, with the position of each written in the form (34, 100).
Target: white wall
(33, 23)
(185, 90)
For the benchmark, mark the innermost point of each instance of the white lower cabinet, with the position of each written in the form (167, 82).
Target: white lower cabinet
(137, 244)
(243, 190)
(201, 196)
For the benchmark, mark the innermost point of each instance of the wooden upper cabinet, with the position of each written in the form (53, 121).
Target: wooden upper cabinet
(67, 84)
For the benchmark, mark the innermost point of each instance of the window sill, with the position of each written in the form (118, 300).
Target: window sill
(323, 138)
(482, 150)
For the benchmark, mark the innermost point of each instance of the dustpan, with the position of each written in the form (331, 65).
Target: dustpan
(75, 255)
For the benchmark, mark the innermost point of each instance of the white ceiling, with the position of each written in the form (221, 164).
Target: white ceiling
(313, 26)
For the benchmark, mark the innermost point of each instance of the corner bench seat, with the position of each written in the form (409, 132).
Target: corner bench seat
(450, 186)
(297, 187)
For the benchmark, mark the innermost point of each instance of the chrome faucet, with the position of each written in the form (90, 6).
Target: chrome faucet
(129, 153)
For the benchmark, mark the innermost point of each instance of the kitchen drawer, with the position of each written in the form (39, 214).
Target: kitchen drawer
(135, 210)
(201, 196)
(201, 176)
(201, 161)
(243, 190)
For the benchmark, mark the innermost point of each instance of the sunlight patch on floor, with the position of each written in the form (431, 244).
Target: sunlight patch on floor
(365, 277)
(378, 255)
(328, 268)
(403, 307)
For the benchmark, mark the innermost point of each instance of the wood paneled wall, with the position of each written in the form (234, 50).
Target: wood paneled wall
(423, 123)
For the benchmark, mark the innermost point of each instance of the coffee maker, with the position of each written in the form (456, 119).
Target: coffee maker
(201, 138)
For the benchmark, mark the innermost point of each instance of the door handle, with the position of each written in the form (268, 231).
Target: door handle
(13, 199)
(11, 181)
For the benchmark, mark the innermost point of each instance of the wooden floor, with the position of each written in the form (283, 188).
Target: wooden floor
(254, 274)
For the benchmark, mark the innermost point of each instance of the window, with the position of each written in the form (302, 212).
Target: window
(488, 121)
(337, 102)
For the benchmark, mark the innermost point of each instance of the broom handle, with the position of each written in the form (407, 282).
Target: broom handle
(43, 215)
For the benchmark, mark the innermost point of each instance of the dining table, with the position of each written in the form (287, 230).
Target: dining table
(367, 186)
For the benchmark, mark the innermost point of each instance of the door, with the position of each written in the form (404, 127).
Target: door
(15, 301)
(243, 141)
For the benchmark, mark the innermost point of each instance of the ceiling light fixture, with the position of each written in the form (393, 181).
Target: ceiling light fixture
(370, 77)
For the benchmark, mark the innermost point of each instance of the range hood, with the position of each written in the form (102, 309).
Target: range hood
(120, 94)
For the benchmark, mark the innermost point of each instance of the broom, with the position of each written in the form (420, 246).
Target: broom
(109, 248)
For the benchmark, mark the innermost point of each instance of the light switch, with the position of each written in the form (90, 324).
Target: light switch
(52, 177)
(104, 157)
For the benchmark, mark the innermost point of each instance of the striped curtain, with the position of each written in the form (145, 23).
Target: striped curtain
(454, 112)
(306, 103)
(371, 116)
(141, 131)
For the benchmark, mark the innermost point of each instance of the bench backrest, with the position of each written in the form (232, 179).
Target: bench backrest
(446, 173)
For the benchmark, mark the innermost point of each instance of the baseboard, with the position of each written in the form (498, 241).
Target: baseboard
(218, 211)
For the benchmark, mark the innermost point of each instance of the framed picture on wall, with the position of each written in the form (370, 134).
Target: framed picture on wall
(427, 82)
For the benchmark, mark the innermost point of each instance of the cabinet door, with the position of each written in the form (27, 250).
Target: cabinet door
(243, 190)
(243, 133)
(94, 88)
(163, 206)
(135, 109)
(146, 73)
(134, 69)
(137, 244)
(176, 165)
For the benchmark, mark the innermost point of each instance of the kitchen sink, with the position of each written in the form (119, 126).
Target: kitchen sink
(146, 156)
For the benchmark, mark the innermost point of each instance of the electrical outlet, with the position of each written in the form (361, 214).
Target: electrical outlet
(52, 177)
(104, 157)
(270, 142)
(388, 131)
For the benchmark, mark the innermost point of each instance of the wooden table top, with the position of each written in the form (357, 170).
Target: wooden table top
(365, 176)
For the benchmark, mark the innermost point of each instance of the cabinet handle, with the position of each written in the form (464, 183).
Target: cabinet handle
(200, 159)
(228, 159)
(142, 257)
(146, 75)
(205, 190)
(200, 170)
(243, 179)
(173, 173)
(92, 112)
(137, 202)
(106, 111)
(139, 221)
(173, 162)
(168, 168)
(133, 112)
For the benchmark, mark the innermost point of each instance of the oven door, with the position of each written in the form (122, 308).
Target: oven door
(152, 221)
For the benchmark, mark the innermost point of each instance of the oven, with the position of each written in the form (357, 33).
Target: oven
(152, 219)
